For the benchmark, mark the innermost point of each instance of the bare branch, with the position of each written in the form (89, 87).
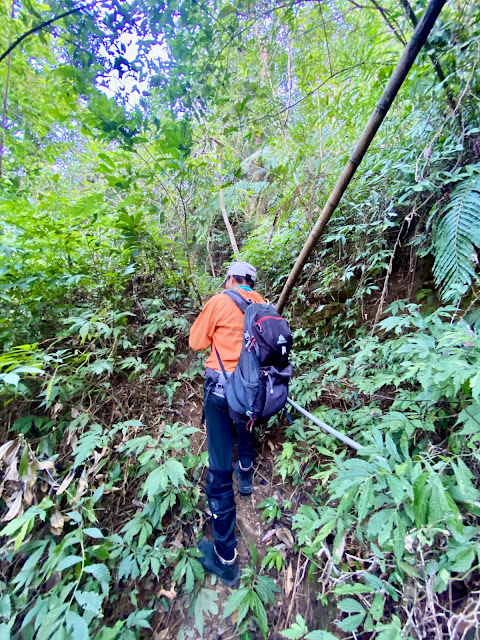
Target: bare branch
(39, 27)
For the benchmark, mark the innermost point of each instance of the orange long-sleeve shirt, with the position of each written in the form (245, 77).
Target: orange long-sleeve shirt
(220, 325)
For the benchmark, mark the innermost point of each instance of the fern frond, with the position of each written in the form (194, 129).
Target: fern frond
(456, 237)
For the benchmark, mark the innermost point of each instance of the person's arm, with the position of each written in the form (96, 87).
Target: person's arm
(201, 332)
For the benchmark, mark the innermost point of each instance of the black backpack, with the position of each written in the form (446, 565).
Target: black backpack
(258, 387)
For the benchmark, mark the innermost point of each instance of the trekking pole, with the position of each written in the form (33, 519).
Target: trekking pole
(325, 427)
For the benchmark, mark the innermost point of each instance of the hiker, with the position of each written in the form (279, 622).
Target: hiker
(220, 326)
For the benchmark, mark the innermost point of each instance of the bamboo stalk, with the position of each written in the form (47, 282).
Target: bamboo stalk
(404, 65)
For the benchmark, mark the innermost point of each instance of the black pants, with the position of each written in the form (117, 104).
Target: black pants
(220, 438)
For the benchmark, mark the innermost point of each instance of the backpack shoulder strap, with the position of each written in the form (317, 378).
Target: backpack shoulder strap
(239, 300)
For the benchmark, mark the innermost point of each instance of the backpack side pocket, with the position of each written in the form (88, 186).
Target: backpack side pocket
(276, 389)
(240, 395)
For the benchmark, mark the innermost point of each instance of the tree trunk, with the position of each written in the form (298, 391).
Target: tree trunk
(210, 257)
(231, 235)
(404, 65)
(272, 228)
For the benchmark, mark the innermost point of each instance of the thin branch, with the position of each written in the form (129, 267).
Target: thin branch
(39, 27)
(392, 28)
(57, 34)
(310, 93)
(326, 38)
(255, 20)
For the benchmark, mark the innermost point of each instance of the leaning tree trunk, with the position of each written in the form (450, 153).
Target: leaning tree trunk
(228, 226)
(404, 65)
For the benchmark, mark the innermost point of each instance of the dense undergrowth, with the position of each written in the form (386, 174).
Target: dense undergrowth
(112, 234)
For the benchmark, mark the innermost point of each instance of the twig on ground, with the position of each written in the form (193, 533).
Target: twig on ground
(295, 588)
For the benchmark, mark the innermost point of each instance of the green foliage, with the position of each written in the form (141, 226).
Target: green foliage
(299, 629)
(92, 566)
(205, 604)
(271, 509)
(249, 601)
(456, 237)
(405, 496)
(111, 231)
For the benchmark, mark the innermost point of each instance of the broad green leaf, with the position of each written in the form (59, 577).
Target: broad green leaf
(102, 573)
(350, 605)
(234, 601)
(67, 562)
(89, 601)
(462, 560)
(260, 613)
(297, 630)
(205, 605)
(347, 589)
(156, 482)
(175, 471)
(93, 532)
(421, 492)
(320, 635)
(377, 606)
(226, 11)
(77, 626)
(365, 503)
(352, 622)
(4, 631)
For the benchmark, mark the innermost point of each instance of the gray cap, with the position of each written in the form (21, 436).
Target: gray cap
(241, 269)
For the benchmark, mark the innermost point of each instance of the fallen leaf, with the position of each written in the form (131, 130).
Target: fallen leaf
(74, 413)
(15, 508)
(269, 535)
(65, 483)
(56, 409)
(177, 542)
(81, 488)
(44, 464)
(12, 473)
(28, 495)
(271, 445)
(170, 595)
(409, 541)
(12, 453)
(338, 555)
(288, 581)
(7, 447)
(56, 522)
(285, 536)
(97, 455)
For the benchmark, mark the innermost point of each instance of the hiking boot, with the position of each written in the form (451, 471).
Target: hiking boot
(244, 478)
(227, 571)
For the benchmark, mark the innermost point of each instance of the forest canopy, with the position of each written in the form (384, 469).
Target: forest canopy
(143, 146)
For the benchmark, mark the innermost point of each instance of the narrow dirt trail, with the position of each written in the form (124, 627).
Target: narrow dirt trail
(296, 593)
(251, 530)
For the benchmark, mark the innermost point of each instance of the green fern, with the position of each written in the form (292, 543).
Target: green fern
(457, 234)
